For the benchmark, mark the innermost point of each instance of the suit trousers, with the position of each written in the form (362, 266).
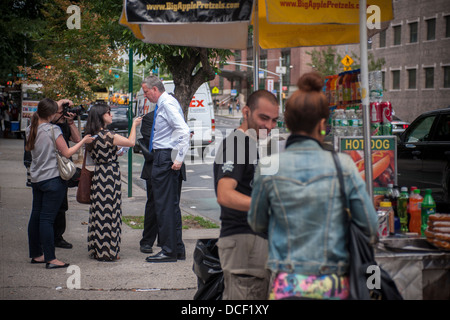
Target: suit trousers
(150, 222)
(165, 182)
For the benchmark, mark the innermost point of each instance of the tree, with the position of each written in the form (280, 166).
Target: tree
(327, 62)
(19, 21)
(190, 67)
(71, 61)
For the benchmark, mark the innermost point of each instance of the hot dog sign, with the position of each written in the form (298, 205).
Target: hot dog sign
(384, 158)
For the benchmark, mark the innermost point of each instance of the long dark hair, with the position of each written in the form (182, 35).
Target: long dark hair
(95, 120)
(46, 108)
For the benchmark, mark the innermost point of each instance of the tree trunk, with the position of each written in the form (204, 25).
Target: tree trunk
(189, 73)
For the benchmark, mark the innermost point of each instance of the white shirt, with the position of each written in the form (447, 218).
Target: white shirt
(171, 130)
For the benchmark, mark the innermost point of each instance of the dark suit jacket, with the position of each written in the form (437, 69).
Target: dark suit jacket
(146, 129)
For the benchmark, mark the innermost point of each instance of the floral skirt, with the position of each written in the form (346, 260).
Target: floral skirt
(289, 285)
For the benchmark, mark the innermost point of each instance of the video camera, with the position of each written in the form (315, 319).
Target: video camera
(78, 110)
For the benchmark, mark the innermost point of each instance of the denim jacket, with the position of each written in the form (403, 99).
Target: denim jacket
(301, 209)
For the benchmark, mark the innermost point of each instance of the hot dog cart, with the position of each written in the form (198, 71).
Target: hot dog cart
(420, 270)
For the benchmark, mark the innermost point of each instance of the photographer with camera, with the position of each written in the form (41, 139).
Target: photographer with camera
(64, 118)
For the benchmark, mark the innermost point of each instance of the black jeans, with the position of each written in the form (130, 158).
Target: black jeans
(47, 198)
(166, 182)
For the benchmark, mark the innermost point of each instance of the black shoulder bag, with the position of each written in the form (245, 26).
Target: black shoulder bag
(361, 257)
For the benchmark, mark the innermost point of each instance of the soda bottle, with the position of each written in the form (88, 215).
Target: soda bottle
(389, 192)
(336, 122)
(344, 123)
(402, 209)
(386, 210)
(411, 193)
(415, 209)
(428, 207)
(360, 122)
(394, 201)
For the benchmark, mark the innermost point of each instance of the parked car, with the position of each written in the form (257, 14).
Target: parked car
(398, 126)
(423, 156)
(119, 119)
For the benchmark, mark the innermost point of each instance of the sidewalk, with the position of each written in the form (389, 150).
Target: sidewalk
(130, 278)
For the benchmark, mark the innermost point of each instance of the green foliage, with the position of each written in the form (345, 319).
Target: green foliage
(325, 61)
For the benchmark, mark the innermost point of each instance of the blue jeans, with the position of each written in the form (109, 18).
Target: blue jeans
(47, 199)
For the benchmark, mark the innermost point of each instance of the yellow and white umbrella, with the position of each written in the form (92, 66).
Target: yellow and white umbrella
(276, 24)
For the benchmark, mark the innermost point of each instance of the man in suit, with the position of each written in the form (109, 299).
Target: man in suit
(169, 145)
(150, 223)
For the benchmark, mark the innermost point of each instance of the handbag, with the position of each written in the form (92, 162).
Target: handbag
(84, 185)
(65, 166)
(362, 256)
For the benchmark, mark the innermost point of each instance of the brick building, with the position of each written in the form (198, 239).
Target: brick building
(416, 48)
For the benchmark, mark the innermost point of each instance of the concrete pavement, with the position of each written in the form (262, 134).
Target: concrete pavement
(130, 278)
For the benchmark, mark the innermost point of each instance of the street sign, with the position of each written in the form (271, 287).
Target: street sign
(347, 61)
(280, 69)
(269, 85)
(347, 68)
(215, 90)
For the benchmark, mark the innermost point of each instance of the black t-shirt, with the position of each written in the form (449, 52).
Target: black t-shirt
(236, 158)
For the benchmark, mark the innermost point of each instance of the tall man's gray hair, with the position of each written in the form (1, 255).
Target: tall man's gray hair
(154, 81)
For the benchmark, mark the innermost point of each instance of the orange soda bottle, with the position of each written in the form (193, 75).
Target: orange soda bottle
(415, 209)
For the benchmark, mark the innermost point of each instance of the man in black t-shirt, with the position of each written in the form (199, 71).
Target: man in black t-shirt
(242, 252)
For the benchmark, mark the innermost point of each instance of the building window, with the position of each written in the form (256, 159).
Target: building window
(429, 78)
(447, 26)
(396, 80)
(431, 29)
(397, 35)
(413, 32)
(412, 79)
(383, 39)
(447, 77)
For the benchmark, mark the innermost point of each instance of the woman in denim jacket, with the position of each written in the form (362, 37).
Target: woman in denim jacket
(300, 206)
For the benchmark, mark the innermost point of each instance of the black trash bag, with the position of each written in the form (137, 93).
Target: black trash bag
(208, 270)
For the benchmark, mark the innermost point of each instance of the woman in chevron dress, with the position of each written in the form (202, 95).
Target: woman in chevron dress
(105, 212)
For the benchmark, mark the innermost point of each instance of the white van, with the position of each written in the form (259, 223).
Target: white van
(200, 118)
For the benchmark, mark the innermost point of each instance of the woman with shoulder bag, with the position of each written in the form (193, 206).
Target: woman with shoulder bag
(48, 187)
(105, 211)
(301, 207)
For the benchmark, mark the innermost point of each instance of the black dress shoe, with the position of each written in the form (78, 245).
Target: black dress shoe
(181, 256)
(55, 266)
(161, 257)
(146, 248)
(63, 244)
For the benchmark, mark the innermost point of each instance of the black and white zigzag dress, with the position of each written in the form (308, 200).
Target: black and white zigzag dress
(105, 212)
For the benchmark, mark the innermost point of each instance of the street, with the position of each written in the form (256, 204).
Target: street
(197, 193)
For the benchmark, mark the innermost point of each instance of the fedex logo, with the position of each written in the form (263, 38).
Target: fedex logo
(196, 103)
